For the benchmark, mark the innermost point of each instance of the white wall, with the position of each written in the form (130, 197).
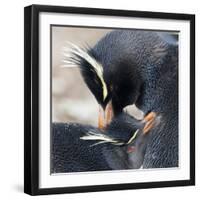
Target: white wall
(11, 99)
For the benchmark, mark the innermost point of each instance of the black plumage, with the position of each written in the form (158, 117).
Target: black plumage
(70, 153)
(132, 61)
(162, 148)
(140, 67)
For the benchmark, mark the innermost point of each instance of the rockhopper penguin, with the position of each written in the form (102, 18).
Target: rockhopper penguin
(136, 67)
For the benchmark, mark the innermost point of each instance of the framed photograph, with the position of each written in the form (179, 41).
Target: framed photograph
(109, 99)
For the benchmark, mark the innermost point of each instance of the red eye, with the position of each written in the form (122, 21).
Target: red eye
(131, 149)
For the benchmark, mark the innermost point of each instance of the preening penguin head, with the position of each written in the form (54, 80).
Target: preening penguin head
(111, 84)
(124, 140)
(121, 65)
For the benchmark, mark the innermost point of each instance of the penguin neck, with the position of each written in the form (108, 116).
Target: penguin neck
(160, 95)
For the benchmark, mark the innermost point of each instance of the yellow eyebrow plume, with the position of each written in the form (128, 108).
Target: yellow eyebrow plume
(96, 65)
(133, 137)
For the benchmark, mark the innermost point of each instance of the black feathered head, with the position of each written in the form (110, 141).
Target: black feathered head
(112, 86)
(125, 136)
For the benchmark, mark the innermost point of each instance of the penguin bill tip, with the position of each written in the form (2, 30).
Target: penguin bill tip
(105, 116)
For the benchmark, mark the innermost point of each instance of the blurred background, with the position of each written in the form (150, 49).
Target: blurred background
(71, 99)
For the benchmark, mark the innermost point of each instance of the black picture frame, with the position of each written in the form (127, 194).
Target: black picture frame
(31, 98)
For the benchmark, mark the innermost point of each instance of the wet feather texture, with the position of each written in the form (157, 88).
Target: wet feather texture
(126, 67)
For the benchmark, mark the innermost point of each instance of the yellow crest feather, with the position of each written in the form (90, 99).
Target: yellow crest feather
(95, 64)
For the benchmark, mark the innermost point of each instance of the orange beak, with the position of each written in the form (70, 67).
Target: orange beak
(149, 120)
(105, 116)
